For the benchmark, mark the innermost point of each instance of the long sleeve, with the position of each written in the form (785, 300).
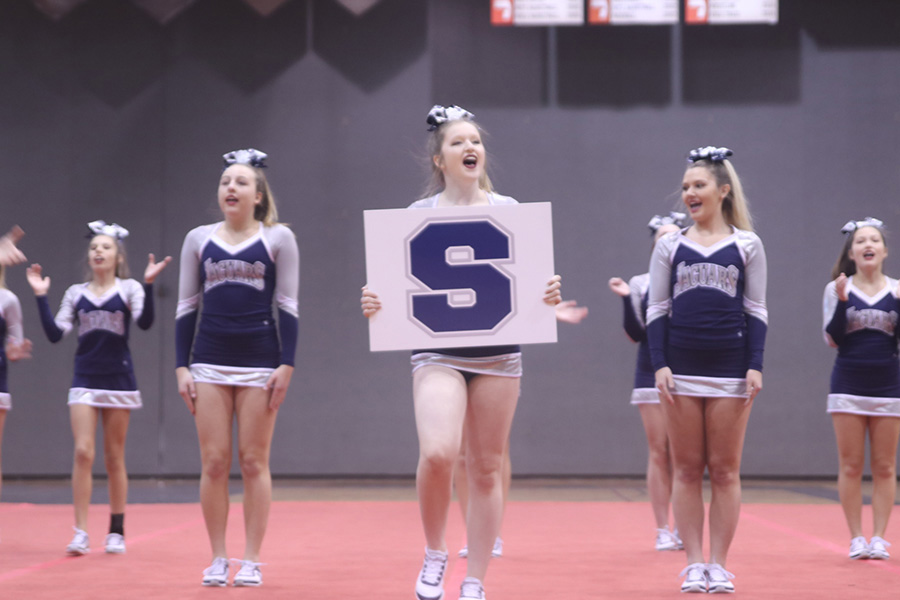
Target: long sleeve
(659, 301)
(287, 286)
(755, 281)
(633, 321)
(834, 316)
(12, 314)
(140, 301)
(53, 332)
(188, 297)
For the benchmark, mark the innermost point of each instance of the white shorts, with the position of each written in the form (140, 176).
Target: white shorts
(645, 396)
(224, 375)
(503, 365)
(869, 406)
(105, 398)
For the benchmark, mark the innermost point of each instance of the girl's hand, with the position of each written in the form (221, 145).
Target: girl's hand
(18, 351)
(570, 312)
(186, 388)
(154, 268)
(553, 295)
(277, 384)
(369, 302)
(840, 286)
(9, 254)
(40, 285)
(754, 384)
(619, 286)
(665, 384)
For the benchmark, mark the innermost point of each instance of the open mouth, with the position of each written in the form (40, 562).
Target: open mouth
(694, 205)
(470, 161)
(868, 254)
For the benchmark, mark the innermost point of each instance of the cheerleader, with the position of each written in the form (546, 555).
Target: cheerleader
(860, 319)
(13, 345)
(645, 395)
(706, 325)
(239, 364)
(475, 387)
(104, 387)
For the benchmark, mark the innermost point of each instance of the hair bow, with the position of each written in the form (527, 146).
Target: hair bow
(709, 153)
(438, 115)
(673, 218)
(852, 226)
(114, 231)
(250, 156)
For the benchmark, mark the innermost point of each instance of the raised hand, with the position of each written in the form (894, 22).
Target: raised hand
(154, 268)
(39, 284)
(9, 254)
(619, 286)
(569, 312)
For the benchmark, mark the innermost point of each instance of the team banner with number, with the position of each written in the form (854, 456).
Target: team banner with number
(537, 12)
(730, 12)
(460, 276)
(632, 12)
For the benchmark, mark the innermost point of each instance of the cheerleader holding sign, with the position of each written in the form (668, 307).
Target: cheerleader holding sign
(103, 387)
(706, 322)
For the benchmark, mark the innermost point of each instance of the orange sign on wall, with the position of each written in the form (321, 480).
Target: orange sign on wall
(598, 12)
(501, 12)
(696, 12)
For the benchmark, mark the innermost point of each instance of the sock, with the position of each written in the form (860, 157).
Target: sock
(117, 524)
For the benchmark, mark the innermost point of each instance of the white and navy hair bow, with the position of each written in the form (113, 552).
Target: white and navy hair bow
(710, 153)
(249, 156)
(438, 115)
(673, 218)
(852, 226)
(115, 231)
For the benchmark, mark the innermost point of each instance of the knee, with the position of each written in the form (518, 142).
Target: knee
(84, 454)
(253, 464)
(724, 474)
(885, 468)
(659, 455)
(689, 472)
(484, 473)
(852, 468)
(216, 466)
(115, 461)
(438, 459)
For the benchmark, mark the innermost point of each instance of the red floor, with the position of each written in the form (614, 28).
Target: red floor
(349, 550)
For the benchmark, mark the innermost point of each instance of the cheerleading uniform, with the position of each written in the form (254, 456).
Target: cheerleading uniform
(866, 375)
(504, 361)
(104, 373)
(237, 342)
(10, 331)
(644, 391)
(706, 314)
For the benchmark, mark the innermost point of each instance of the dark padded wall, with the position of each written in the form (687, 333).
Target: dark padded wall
(107, 114)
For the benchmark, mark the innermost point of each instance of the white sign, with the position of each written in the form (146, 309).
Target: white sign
(730, 12)
(537, 12)
(632, 12)
(460, 276)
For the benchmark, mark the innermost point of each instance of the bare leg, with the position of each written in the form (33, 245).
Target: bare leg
(850, 432)
(2, 423)
(214, 413)
(726, 424)
(492, 404)
(659, 463)
(256, 424)
(460, 479)
(687, 432)
(883, 435)
(440, 396)
(115, 429)
(84, 428)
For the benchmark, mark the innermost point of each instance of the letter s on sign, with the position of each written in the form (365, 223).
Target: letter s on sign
(457, 261)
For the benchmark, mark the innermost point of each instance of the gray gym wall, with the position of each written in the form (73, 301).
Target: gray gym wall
(108, 115)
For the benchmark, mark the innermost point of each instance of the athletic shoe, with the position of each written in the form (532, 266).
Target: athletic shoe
(79, 544)
(718, 579)
(430, 584)
(216, 574)
(695, 582)
(115, 543)
(249, 575)
(496, 551)
(878, 548)
(858, 548)
(471, 589)
(666, 540)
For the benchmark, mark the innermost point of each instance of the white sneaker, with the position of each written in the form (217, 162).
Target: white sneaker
(496, 551)
(79, 544)
(115, 543)
(249, 574)
(430, 584)
(878, 548)
(858, 548)
(471, 589)
(695, 582)
(666, 540)
(718, 579)
(216, 574)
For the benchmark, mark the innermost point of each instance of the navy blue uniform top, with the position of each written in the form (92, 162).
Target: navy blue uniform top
(708, 298)
(634, 322)
(10, 330)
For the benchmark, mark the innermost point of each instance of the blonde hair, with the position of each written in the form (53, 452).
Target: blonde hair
(436, 183)
(2, 277)
(265, 211)
(122, 270)
(734, 206)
